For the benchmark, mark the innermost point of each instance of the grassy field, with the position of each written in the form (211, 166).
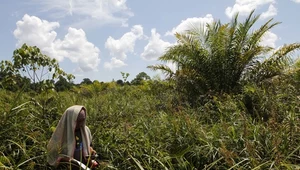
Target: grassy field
(148, 127)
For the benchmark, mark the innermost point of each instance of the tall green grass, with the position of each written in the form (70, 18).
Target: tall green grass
(144, 127)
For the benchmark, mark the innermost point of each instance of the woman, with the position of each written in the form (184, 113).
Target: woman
(71, 139)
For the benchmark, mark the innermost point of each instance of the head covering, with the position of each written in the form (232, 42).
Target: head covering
(62, 142)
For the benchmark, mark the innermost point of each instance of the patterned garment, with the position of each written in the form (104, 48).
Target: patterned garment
(78, 148)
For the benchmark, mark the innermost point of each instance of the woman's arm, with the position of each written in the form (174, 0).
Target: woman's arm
(92, 151)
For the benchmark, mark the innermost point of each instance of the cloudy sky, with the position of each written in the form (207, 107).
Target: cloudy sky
(98, 39)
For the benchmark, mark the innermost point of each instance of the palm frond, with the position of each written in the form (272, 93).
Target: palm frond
(241, 34)
(258, 34)
(286, 49)
(165, 69)
(274, 65)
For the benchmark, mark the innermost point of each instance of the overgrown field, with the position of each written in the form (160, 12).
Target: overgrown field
(232, 103)
(146, 127)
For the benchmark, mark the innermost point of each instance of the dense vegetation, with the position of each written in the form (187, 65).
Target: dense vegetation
(223, 108)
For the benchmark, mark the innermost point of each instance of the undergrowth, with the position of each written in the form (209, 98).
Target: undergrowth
(140, 127)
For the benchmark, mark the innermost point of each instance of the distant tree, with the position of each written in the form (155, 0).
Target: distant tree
(96, 82)
(29, 62)
(125, 76)
(139, 78)
(120, 82)
(63, 84)
(14, 82)
(86, 81)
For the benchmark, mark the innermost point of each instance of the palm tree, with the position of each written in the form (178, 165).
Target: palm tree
(277, 64)
(222, 57)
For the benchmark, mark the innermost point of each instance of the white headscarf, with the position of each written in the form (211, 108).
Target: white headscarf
(62, 142)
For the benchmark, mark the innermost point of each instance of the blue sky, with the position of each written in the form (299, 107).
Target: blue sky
(98, 39)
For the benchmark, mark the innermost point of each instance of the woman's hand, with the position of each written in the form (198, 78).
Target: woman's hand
(92, 151)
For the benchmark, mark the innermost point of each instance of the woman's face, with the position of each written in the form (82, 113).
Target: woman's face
(80, 119)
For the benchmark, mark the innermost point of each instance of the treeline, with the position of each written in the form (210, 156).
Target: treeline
(32, 70)
(19, 82)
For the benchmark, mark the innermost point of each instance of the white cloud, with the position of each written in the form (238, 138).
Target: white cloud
(272, 11)
(269, 39)
(75, 46)
(297, 1)
(191, 23)
(120, 47)
(155, 47)
(114, 63)
(78, 49)
(244, 7)
(34, 31)
(108, 11)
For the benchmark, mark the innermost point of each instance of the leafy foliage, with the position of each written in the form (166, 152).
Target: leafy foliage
(62, 84)
(86, 81)
(142, 76)
(222, 58)
(125, 76)
(139, 127)
(30, 62)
